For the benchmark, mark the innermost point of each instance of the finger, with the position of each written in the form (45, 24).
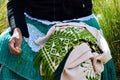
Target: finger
(18, 43)
(12, 46)
(19, 50)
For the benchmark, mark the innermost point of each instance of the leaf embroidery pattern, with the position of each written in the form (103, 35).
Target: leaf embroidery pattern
(60, 42)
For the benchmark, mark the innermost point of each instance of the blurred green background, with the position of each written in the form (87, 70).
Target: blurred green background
(108, 14)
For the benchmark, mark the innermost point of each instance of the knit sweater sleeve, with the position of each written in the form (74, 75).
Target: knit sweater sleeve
(16, 17)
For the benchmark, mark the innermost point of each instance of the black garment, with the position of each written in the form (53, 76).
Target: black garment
(52, 10)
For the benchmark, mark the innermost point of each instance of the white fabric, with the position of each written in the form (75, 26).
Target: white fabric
(73, 70)
(34, 33)
(70, 67)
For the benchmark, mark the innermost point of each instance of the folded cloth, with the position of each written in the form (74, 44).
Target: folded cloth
(97, 59)
(79, 65)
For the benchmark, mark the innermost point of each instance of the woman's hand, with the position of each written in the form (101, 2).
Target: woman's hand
(15, 42)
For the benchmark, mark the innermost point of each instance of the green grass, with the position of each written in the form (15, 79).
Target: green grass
(108, 13)
(3, 16)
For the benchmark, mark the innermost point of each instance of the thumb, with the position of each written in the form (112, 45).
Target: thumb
(18, 46)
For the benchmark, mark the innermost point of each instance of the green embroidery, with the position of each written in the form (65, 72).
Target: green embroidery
(89, 70)
(55, 49)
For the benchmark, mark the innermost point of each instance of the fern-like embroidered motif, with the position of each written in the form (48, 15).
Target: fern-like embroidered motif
(58, 45)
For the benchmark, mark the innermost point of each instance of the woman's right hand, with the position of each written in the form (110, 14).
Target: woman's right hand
(15, 42)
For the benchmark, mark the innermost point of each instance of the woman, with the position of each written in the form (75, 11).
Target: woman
(28, 17)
